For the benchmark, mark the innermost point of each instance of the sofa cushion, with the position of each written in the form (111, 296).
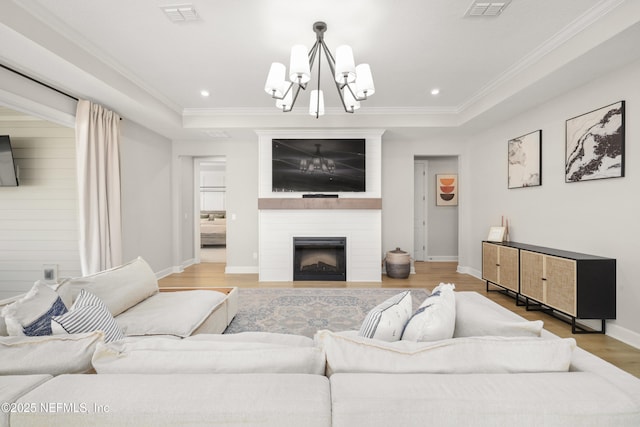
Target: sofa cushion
(346, 353)
(523, 400)
(31, 314)
(184, 400)
(120, 288)
(435, 319)
(164, 356)
(257, 337)
(14, 386)
(87, 314)
(386, 320)
(479, 316)
(170, 313)
(52, 354)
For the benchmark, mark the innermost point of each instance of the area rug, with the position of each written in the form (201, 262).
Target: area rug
(305, 311)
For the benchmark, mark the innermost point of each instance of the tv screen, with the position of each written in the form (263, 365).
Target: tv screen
(318, 165)
(8, 175)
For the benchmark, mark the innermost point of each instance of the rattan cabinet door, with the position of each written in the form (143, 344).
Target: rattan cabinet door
(508, 270)
(561, 284)
(532, 275)
(490, 262)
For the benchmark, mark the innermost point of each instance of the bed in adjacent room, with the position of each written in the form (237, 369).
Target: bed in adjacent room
(213, 228)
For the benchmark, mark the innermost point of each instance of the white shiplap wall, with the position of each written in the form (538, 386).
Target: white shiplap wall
(38, 219)
(362, 228)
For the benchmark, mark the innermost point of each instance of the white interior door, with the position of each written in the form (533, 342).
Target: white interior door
(420, 211)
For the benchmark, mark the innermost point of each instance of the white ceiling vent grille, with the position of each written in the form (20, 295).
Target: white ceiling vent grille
(180, 13)
(486, 8)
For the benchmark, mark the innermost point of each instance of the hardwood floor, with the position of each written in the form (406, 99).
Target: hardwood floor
(428, 275)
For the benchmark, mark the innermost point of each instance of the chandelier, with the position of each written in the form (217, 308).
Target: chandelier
(354, 83)
(317, 163)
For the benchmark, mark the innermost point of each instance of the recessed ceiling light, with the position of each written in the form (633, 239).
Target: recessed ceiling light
(204, 93)
(435, 91)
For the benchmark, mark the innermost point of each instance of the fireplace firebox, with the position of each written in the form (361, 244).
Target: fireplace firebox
(320, 258)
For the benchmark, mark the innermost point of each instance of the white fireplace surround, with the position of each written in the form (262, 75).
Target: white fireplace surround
(361, 227)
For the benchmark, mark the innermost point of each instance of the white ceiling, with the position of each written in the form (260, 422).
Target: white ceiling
(129, 56)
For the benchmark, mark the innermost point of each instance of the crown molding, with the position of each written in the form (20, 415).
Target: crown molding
(578, 25)
(240, 111)
(74, 37)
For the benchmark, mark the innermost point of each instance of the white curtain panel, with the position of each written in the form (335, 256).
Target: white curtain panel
(98, 162)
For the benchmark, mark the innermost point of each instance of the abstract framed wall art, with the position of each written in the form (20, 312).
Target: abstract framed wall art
(447, 190)
(595, 144)
(525, 160)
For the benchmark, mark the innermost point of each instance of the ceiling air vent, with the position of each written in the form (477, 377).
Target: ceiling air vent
(180, 13)
(487, 8)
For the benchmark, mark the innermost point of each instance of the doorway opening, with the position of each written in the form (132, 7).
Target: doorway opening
(435, 225)
(211, 229)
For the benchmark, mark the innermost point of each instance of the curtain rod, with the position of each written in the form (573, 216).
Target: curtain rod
(38, 81)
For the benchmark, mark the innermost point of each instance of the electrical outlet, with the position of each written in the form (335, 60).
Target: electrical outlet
(50, 272)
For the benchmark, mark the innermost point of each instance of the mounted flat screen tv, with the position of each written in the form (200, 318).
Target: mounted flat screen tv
(8, 171)
(318, 165)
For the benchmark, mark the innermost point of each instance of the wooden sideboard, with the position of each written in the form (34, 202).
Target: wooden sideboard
(579, 286)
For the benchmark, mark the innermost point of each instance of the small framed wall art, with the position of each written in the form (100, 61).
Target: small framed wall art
(447, 190)
(524, 154)
(595, 144)
(496, 234)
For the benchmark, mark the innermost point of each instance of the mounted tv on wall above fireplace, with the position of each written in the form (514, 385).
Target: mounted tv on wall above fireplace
(318, 165)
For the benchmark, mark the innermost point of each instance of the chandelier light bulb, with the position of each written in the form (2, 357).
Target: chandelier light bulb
(316, 105)
(299, 69)
(286, 103)
(345, 65)
(364, 81)
(275, 80)
(350, 102)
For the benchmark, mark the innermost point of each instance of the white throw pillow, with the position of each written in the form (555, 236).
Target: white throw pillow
(348, 354)
(167, 356)
(31, 315)
(53, 354)
(435, 320)
(386, 321)
(120, 288)
(87, 314)
(477, 316)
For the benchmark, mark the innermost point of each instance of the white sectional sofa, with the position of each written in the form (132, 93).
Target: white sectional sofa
(494, 372)
(131, 294)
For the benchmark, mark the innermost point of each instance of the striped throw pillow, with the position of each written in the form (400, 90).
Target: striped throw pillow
(87, 314)
(386, 321)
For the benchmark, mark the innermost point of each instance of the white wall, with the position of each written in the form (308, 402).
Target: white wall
(38, 219)
(596, 217)
(145, 163)
(241, 199)
(399, 150)
(442, 221)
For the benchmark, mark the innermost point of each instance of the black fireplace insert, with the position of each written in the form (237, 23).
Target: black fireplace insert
(320, 258)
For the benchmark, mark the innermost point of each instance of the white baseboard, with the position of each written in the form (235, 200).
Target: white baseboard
(166, 272)
(175, 269)
(470, 271)
(241, 270)
(189, 263)
(442, 258)
(623, 334)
